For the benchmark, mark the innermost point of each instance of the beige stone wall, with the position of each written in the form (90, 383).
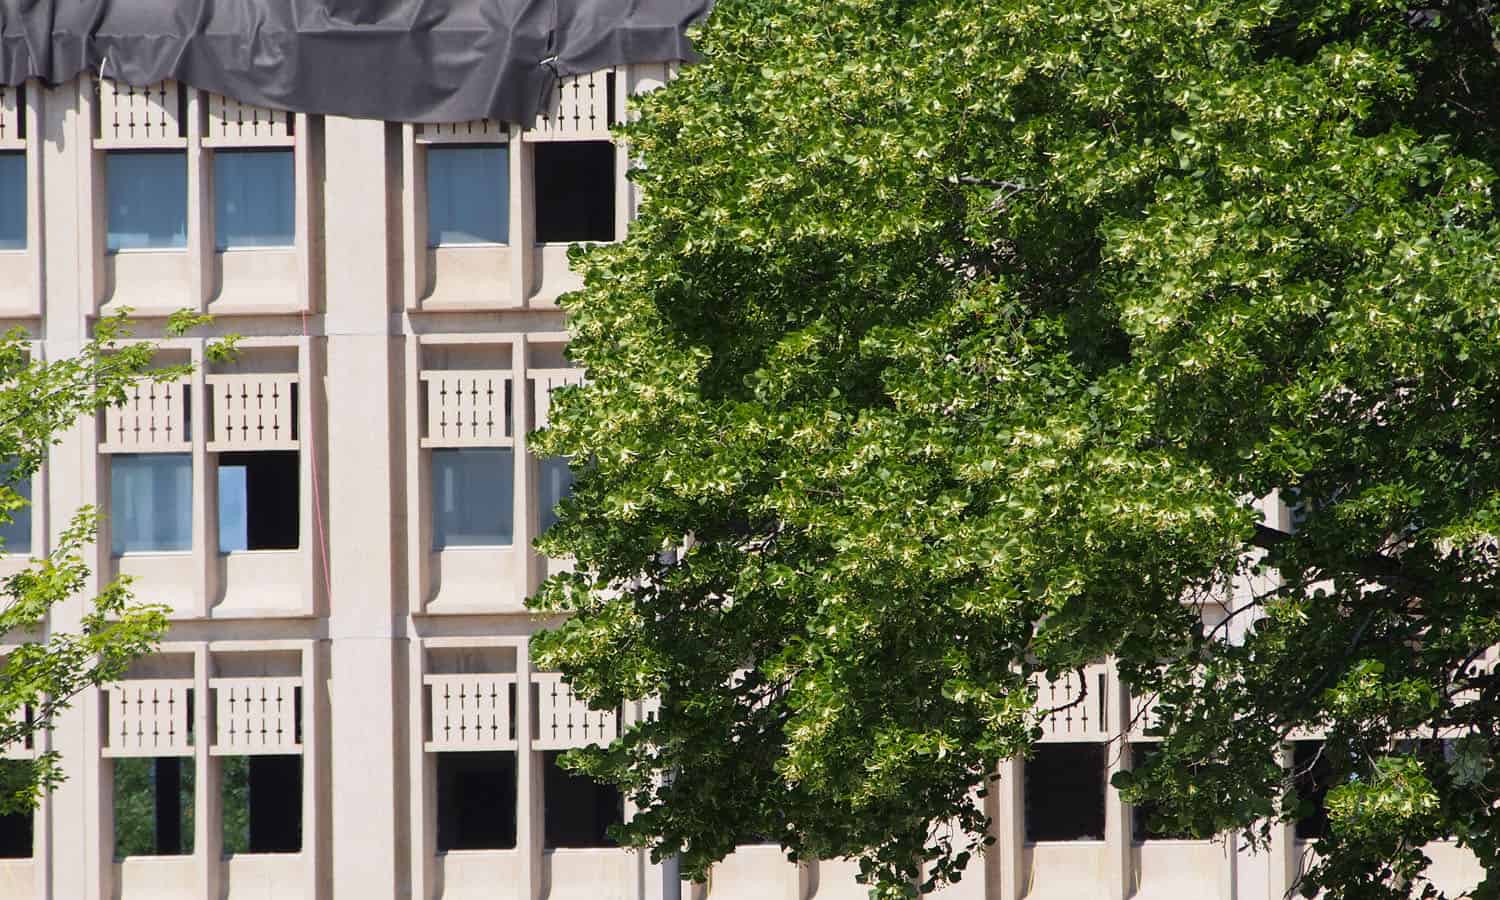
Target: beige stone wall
(364, 622)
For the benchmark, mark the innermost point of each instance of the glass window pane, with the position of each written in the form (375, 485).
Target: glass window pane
(147, 199)
(468, 195)
(554, 482)
(151, 502)
(253, 199)
(15, 535)
(12, 201)
(234, 533)
(472, 497)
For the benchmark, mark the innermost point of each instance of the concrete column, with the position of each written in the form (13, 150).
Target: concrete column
(1118, 874)
(1004, 863)
(367, 735)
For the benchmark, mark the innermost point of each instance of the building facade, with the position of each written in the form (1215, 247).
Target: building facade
(341, 523)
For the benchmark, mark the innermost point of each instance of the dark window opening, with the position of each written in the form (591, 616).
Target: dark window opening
(575, 191)
(1064, 787)
(153, 806)
(1312, 776)
(258, 500)
(476, 801)
(554, 484)
(579, 810)
(13, 200)
(15, 827)
(1143, 828)
(262, 804)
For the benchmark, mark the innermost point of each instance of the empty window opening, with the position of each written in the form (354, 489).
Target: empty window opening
(259, 505)
(476, 801)
(554, 483)
(575, 191)
(1064, 789)
(1312, 776)
(150, 502)
(1143, 816)
(473, 497)
(468, 195)
(147, 196)
(15, 535)
(15, 827)
(579, 810)
(13, 201)
(153, 806)
(262, 804)
(253, 199)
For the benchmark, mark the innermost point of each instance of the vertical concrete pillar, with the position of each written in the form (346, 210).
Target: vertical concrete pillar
(1119, 872)
(1005, 863)
(367, 735)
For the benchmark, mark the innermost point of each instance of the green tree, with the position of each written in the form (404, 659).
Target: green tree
(959, 337)
(42, 671)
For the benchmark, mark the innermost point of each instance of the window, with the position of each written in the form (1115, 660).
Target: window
(1312, 776)
(575, 191)
(153, 806)
(258, 501)
(1142, 827)
(16, 827)
(151, 502)
(578, 810)
(12, 201)
(15, 535)
(554, 482)
(1064, 788)
(147, 199)
(476, 801)
(472, 497)
(262, 804)
(253, 199)
(468, 195)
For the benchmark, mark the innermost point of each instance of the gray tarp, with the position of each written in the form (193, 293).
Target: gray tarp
(403, 60)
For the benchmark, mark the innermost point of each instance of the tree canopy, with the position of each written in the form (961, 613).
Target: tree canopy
(44, 667)
(961, 338)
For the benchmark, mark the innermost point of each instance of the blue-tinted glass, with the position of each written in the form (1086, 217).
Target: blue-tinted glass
(472, 497)
(147, 199)
(555, 483)
(253, 199)
(234, 526)
(151, 502)
(468, 195)
(16, 534)
(12, 201)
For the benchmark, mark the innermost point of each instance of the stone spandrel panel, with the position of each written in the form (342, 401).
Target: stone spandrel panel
(235, 124)
(467, 408)
(544, 382)
(149, 717)
(253, 412)
(471, 712)
(12, 133)
(153, 419)
(565, 722)
(580, 108)
(146, 117)
(255, 716)
(1074, 705)
(475, 131)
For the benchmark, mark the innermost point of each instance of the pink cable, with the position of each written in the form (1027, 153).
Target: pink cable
(312, 447)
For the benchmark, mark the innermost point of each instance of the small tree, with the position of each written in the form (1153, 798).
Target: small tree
(42, 672)
(960, 338)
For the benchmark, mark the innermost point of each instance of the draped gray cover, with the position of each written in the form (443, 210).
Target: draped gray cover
(402, 60)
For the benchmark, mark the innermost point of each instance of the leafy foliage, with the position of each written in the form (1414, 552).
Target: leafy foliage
(958, 338)
(43, 671)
